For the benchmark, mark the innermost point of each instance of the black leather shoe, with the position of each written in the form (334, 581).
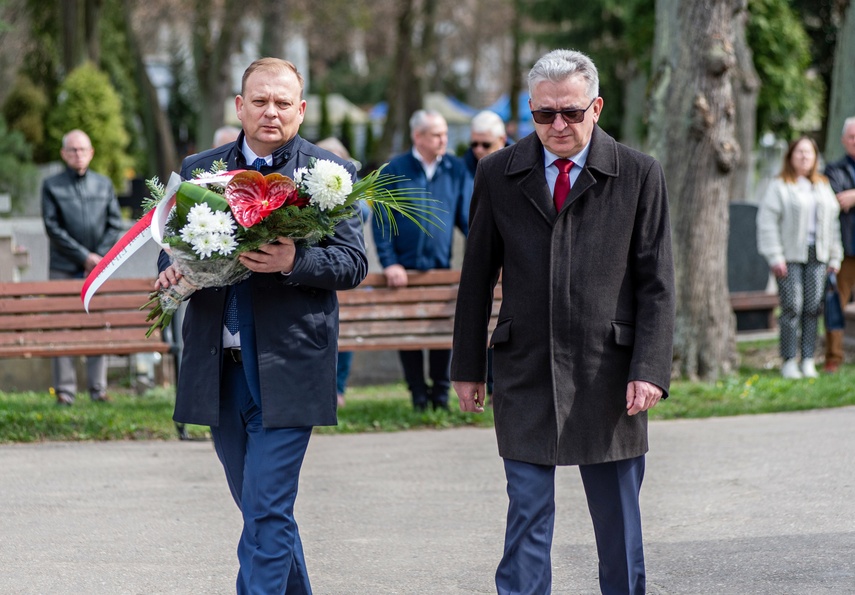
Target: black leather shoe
(64, 399)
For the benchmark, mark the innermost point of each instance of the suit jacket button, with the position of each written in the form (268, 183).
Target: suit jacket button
(213, 351)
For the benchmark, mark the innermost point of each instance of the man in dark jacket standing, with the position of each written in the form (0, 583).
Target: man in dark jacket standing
(577, 225)
(447, 189)
(841, 177)
(83, 220)
(259, 357)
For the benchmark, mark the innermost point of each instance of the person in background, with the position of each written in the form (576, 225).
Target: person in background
(447, 189)
(83, 220)
(224, 135)
(577, 224)
(798, 233)
(345, 358)
(258, 363)
(486, 135)
(841, 178)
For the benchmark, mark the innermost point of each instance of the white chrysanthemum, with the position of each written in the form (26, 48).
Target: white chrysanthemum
(223, 222)
(201, 217)
(225, 244)
(328, 184)
(204, 245)
(189, 233)
(298, 175)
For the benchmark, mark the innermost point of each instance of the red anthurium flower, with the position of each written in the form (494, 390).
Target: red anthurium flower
(253, 196)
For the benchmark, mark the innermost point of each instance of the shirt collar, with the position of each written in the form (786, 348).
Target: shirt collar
(579, 159)
(250, 155)
(421, 159)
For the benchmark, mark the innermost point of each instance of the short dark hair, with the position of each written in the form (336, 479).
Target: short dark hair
(271, 64)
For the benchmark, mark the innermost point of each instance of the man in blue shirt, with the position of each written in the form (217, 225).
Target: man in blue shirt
(447, 190)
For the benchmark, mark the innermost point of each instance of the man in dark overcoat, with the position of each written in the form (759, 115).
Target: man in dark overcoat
(577, 226)
(259, 357)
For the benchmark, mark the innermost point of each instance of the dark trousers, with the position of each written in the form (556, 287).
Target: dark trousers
(439, 369)
(262, 467)
(612, 492)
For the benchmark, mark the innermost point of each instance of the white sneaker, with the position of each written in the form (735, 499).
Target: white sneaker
(790, 369)
(809, 368)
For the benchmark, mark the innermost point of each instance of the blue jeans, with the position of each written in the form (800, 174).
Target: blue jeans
(342, 370)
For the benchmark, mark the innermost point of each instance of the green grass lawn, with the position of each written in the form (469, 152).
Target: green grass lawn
(34, 416)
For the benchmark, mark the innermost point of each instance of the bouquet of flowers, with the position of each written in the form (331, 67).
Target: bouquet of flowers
(221, 214)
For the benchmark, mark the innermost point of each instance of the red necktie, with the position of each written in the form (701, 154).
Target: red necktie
(562, 183)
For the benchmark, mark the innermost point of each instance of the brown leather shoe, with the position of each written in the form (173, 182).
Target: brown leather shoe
(831, 368)
(64, 399)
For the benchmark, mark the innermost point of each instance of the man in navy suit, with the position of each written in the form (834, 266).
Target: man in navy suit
(577, 225)
(265, 383)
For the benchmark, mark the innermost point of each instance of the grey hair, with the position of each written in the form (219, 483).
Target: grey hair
(488, 122)
(846, 124)
(75, 131)
(559, 65)
(422, 119)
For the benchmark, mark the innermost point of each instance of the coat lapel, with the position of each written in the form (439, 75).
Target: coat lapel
(526, 163)
(602, 158)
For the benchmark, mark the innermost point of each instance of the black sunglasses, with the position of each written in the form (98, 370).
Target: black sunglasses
(571, 116)
(475, 144)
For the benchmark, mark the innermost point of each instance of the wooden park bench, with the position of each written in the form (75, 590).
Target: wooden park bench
(755, 310)
(47, 319)
(375, 317)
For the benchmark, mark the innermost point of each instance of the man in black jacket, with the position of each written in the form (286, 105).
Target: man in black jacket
(83, 221)
(841, 176)
(263, 383)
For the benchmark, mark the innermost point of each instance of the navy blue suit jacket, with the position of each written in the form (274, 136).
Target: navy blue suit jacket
(288, 324)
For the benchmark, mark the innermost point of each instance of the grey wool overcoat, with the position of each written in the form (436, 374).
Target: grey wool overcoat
(588, 301)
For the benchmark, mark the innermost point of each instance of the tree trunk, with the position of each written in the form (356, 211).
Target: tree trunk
(746, 90)
(692, 134)
(72, 54)
(842, 104)
(516, 71)
(634, 90)
(396, 116)
(92, 35)
(162, 156)
(211, 55)
(273, 29)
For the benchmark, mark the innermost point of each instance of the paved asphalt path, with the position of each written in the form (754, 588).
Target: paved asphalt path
(747, 505)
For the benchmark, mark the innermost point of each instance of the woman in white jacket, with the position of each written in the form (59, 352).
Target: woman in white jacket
(798, 233)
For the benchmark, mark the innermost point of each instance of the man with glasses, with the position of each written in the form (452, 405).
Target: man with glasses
(486, 135)
(577, 225)
(83, 220)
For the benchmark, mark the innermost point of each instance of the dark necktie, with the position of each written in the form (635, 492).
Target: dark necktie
(562, 183)
(232, 314)
(258, 163)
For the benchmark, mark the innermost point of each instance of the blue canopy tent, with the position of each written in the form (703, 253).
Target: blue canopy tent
(502, 106)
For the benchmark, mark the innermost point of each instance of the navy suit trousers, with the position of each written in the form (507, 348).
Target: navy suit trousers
(262, 467)
(612, 491)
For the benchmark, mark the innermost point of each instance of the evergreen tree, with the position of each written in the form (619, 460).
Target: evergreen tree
(17, 173)
(89, 102)
(25, 110)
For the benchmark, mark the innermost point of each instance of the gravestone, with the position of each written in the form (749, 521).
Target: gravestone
(747, 270)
